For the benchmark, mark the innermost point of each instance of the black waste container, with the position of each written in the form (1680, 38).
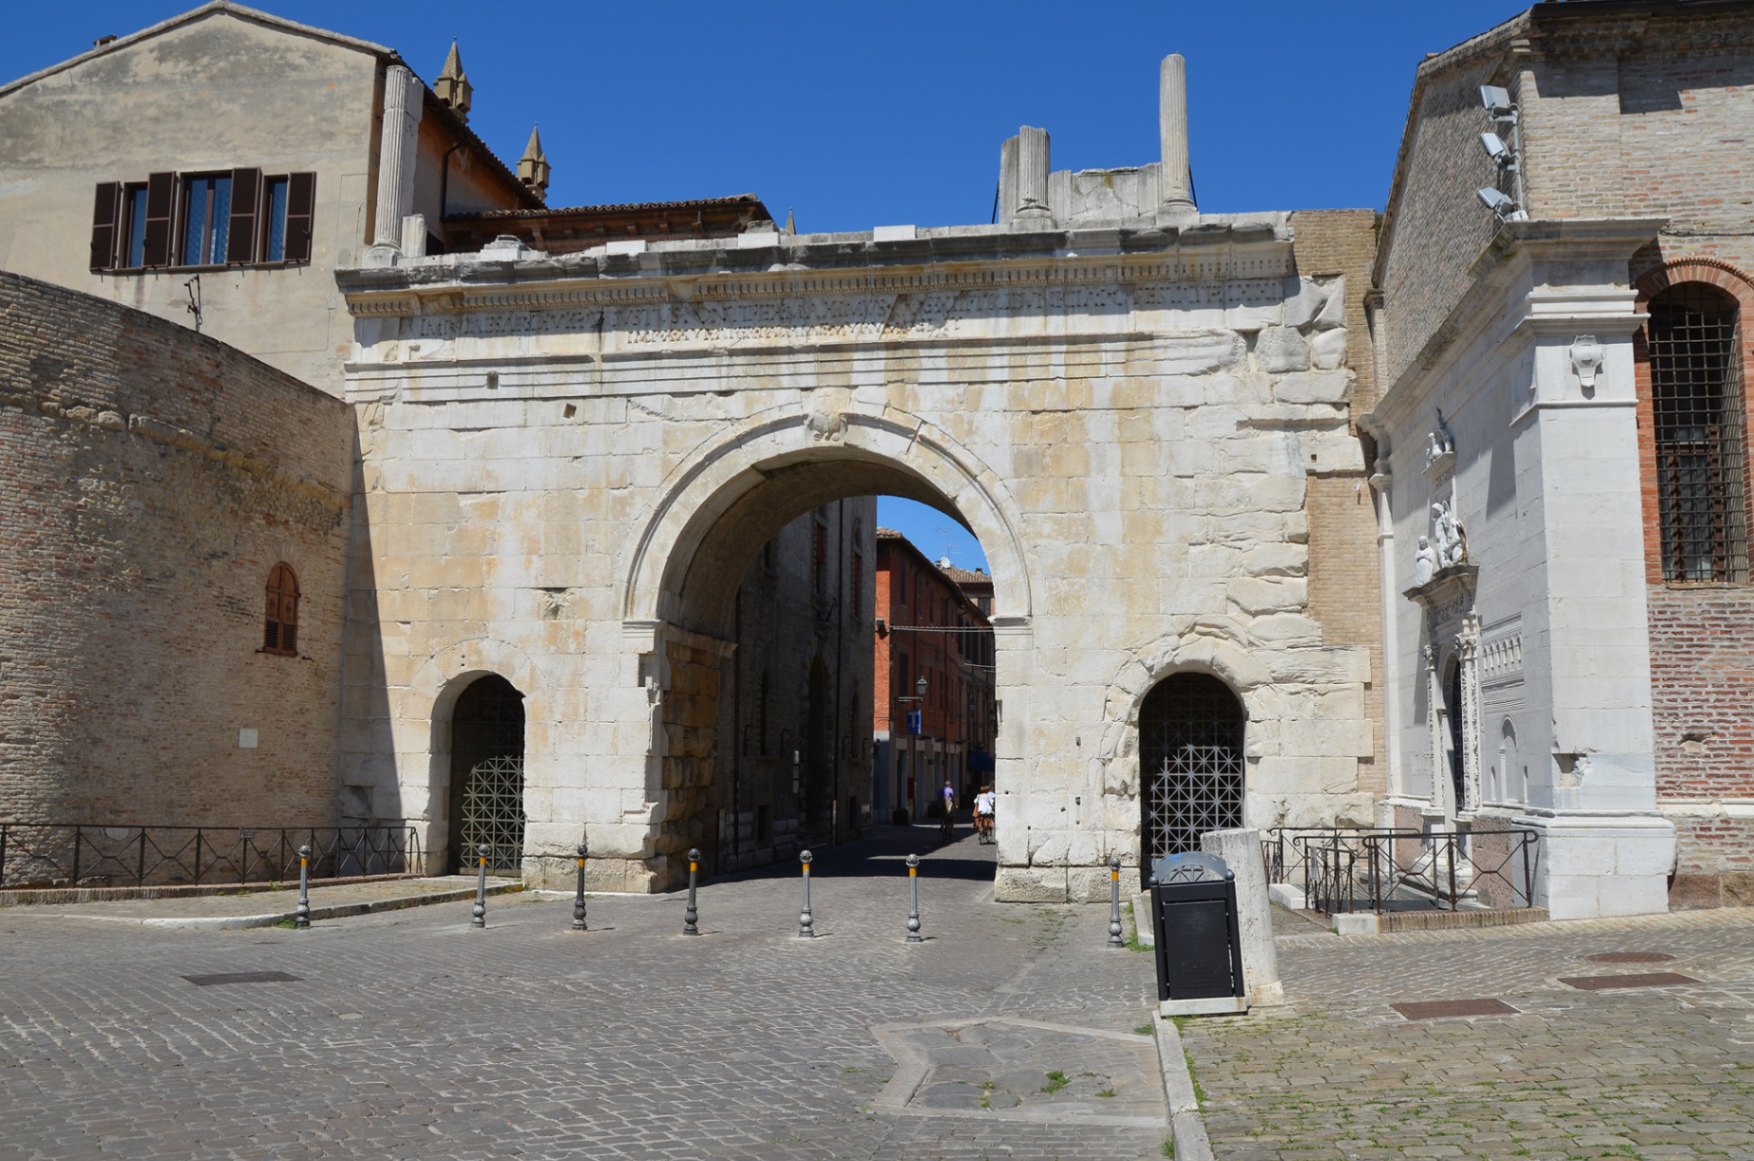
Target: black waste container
(1193, 912)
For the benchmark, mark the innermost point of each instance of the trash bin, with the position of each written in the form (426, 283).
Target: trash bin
(1199, 949)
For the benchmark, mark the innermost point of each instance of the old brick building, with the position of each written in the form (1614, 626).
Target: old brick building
(930, 630)
(158, 485)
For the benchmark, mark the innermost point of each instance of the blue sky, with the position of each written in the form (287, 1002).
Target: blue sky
(861, 115)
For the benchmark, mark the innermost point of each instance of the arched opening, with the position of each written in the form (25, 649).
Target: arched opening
(787, 664)
(1191, 761)
(486, 798)
(1694, 357)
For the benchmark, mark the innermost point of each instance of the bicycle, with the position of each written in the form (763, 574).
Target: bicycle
(983, 828)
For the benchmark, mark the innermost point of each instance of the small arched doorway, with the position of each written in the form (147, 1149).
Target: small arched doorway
(487, 776)
(1191, 763)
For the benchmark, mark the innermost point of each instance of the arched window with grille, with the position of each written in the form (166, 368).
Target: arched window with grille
(1191, 762)
(280, 624)
(1693, 346)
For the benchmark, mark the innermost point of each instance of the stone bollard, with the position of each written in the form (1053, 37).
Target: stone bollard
(578, 903)
(478, 913)
(691, 917)
(1114, 902)
(806, 929)
(913, 899)
(302, 916)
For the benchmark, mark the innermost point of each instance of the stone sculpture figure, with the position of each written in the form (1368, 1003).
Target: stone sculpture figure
(1446, 531)
(1424, 561)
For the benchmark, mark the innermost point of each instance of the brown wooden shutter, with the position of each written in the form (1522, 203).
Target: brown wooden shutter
(161, 191)
(103, 225)
(246, 189)
(301, 207)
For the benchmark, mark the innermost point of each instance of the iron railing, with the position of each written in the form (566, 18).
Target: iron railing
(84, 855)
(1375, 869)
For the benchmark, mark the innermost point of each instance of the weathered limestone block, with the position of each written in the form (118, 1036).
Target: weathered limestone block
(1331, 387)
(1327, 351)
(1281, 349)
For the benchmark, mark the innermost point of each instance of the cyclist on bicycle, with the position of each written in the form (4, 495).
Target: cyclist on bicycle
(984, 802)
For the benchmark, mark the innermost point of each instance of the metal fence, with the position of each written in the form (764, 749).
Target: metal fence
(81, 855)
(1371, 869)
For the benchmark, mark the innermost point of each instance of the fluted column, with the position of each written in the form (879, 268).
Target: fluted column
(396, 150)
(1032, 173)
(1175, 188)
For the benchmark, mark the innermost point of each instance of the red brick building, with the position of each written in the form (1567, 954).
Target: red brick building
(929, 628)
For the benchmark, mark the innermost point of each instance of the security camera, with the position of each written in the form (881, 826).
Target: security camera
(1501, 204)
(1497, 101)
(1497, 150)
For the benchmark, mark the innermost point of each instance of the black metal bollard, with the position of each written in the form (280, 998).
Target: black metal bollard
(302, 916)
(578, 902)
(691, 917)
(478, 914)
(805, 922)
(913, 899)
(1114, 902)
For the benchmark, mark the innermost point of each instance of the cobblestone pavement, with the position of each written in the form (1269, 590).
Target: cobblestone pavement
(1653, 1072)
(409, 1034)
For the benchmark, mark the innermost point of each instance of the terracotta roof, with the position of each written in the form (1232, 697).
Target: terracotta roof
(963, 576)
(734, 201)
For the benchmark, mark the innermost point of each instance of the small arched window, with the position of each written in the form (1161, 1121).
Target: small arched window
(280, 624)
(1701, 453)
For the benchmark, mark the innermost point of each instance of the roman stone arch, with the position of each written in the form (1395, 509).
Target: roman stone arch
(787, 460)
(719, 506)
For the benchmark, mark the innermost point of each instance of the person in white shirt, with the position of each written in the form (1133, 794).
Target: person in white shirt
(984, 804)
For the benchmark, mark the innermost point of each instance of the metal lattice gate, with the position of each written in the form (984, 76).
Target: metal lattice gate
(487, 776)
(1190, 753)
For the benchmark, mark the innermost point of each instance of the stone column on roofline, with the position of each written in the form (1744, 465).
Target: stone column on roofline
(401, 136)
(1032, 173)
(1175, 183)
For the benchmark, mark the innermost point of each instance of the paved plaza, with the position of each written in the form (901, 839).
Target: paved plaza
(1575, 1071)
(1012, 1032)
(409, 1034)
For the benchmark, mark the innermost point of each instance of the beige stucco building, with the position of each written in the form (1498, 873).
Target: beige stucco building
(232, 215)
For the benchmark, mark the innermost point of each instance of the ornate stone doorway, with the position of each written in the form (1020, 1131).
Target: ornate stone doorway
(487, 776)
(1191, 761)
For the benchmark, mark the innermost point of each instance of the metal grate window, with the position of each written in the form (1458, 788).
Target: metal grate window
(487, 775)
(1190, 750)
(1701, 457)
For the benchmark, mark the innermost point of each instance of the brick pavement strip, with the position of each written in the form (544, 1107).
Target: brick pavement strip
(410, 1034)
(1661, 1072)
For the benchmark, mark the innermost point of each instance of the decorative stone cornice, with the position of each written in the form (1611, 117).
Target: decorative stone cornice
(1601, 308)
(780, 265)
(1450, 589)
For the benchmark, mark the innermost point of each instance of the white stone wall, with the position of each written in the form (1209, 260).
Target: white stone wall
(1128, 431)
(1544, 475)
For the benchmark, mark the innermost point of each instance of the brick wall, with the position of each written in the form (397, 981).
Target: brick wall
(1345, 589)
(1436, 226)
(154, 478)
(1702, 635)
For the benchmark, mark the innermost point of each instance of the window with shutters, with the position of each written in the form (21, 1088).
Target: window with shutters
(280, 625)
(232, 218)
